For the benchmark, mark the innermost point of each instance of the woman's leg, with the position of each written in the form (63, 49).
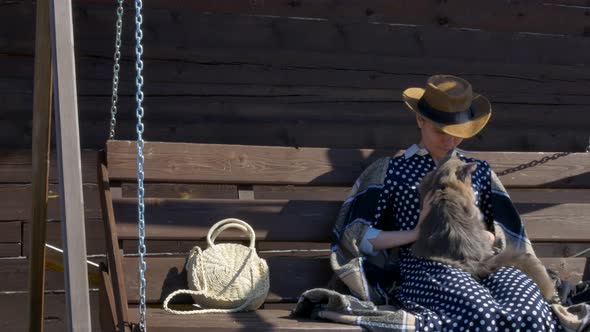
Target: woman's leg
(445, 298)
(522, 304)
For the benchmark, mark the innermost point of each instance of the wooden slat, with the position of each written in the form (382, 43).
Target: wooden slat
(260, 320)
(533, 16)
(290, 275)
(309, 221)
(15, 202)
(42, 113)
(10, 231)
(571, 269)
(549, 196)
(112, 244)
(560, 249)
(15, 166)
(315, 193)
(556, 223)
(15, 273)
(239, 164)
(10, 249)
(318, 166)
(344, 134)
(186, 191)
(95, 241)
(107, 304)
(235, 100)
(279, 75)
(163, 246)
(191, 219)
(543, 249)
(13, 305)
(518, 195)
(346, 35)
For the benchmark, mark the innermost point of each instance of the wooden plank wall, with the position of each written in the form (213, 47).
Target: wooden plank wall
(320, 75)
(335, 81)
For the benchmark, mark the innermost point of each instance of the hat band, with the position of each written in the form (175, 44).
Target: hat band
(443, 117)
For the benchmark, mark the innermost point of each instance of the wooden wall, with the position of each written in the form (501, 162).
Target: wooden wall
(295, 73)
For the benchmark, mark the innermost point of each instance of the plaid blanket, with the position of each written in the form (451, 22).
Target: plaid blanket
(369, 305)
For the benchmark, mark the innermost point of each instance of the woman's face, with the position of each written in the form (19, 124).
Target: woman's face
(435, 140)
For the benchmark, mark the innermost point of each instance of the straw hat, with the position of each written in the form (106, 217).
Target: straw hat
(448, 101)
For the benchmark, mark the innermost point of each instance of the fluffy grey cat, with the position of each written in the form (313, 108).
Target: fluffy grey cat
(453, 232)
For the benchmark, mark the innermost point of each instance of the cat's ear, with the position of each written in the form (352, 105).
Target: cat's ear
(450, 155)
(465, 171)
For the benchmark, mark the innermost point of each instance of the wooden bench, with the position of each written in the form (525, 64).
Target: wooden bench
(290, 196)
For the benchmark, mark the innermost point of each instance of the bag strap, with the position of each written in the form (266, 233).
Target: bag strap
(199, 311)
(224, 224)
(259, 293)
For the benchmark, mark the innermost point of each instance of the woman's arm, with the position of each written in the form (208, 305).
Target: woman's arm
(392, 239)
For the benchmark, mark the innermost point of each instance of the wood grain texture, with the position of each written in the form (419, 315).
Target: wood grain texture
(16, 201)
(290, 275)
(260, 320)
(319, 166)
(15, 166)
(95, 240)
(15, 275)
(10, 231)
(345, 35)
(284, 220)
(185, 191)
(14, 305)
(112, 244)
(42, 112)
(322, 193)
(557, 249)
(533, 16)
(10, 249)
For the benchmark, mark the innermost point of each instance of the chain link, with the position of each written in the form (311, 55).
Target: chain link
(141, 248)
(116, 67)
(533, 163)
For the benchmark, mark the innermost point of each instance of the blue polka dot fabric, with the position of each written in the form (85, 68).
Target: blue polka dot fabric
(445, 298)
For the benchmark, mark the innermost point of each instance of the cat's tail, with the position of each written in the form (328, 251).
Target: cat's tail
(525, 262)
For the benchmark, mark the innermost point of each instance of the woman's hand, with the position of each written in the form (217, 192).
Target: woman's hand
(491, 238)
(392, 239)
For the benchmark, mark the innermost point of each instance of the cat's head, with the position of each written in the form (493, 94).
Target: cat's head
(451, 175)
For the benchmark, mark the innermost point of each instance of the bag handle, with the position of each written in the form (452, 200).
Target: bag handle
(201, 311)
(224, 224)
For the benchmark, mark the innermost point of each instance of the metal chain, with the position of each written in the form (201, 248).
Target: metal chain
(533, 163)
(588, 147)
(140, 160)
(116, 68)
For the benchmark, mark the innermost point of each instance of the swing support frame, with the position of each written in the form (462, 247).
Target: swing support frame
(55, 75)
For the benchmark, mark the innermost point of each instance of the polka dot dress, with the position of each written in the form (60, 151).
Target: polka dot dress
(445, 298)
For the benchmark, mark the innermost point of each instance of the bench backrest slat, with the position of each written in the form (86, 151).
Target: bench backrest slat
(311, 221)
(237, 164)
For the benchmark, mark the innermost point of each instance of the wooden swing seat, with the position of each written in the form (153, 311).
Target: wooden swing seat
(291, 197)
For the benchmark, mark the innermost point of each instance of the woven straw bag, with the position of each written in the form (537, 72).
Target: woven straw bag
(225, 277)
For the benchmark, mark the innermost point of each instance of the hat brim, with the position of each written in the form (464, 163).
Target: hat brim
(480, 104)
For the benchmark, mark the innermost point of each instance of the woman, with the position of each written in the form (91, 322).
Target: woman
(444, 298)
